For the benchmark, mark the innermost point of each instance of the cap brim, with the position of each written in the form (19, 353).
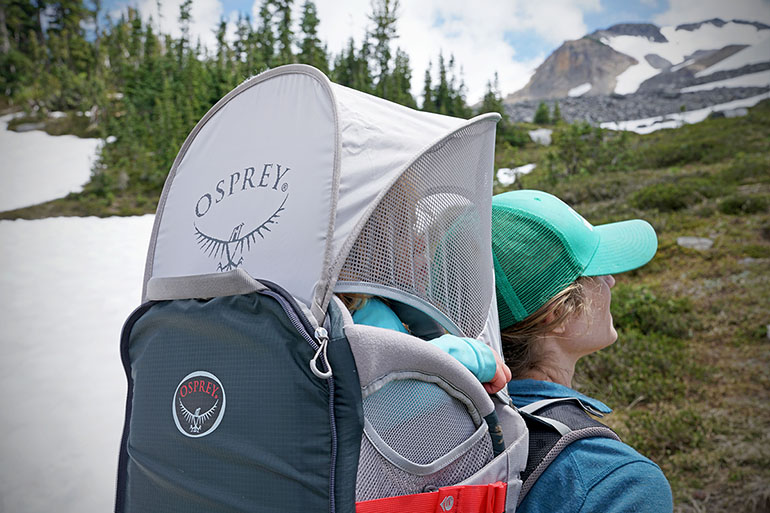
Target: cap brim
(622, 247)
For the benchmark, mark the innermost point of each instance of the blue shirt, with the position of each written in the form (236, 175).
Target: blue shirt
(594, 474)
(476, 356)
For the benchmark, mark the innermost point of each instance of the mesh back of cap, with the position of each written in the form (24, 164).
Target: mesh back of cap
(429, 236)
(532, 263)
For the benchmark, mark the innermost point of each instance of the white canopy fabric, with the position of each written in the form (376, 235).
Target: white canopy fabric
(282, 176)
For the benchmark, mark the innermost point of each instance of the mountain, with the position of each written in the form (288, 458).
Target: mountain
(642, 58)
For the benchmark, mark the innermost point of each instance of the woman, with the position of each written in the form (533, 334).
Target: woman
(553, 274)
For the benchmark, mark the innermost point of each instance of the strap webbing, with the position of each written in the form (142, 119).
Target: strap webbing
(489, 498)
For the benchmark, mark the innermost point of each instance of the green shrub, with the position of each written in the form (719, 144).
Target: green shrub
(675, 195)
(742, 205)
(747, 169)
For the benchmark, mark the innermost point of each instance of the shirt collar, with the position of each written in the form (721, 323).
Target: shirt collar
(526, 391)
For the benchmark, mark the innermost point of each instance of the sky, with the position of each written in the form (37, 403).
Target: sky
(486, 36)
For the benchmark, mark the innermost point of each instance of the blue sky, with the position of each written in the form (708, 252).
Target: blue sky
(510, 37)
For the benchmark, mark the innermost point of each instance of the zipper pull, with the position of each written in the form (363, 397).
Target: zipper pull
(323, 339)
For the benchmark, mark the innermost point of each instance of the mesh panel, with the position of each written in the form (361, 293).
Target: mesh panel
(422, 423)
(536, 264)
(418, 420)
(429, 237)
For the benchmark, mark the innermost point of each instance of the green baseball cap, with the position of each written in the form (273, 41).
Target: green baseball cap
(540, 245)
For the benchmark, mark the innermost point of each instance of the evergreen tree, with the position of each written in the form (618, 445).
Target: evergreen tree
(556, 113)
(312, 51)
(442, 97)
(284, 31)
(542, 116)
(401, 81)
(384, 16)
(265, 37)
(492, 100)
(428, 104)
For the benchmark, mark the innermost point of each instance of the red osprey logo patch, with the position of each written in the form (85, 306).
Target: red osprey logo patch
(199, 404)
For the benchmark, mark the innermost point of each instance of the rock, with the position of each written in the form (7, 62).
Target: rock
(699, 243)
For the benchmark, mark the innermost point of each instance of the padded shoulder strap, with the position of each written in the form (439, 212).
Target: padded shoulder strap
(553, 425)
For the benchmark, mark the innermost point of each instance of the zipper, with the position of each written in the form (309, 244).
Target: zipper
(319, 343)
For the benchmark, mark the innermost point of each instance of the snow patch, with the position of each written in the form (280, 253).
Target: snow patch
(579, 90)
(507, 176)
(68, 285)
(38, 167)
(759, 79)
(541, 136)
(676, 120)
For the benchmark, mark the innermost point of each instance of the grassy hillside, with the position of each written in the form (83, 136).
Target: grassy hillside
(689, 377)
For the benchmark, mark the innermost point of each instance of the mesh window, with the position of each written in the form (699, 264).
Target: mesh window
(422, 423)
(429, 237)
(536, 262)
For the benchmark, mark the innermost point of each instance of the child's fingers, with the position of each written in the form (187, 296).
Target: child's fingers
(501, 378)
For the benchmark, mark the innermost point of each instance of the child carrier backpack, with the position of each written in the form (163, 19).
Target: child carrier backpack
(249, 386)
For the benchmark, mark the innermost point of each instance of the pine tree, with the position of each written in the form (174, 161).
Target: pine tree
(542, 116)
(312, 51)
(556, 113)
(384, 16)
(284, 32)
(265, 37)
(492, 100)
(442, 96)
(401, 80)
(428, 104)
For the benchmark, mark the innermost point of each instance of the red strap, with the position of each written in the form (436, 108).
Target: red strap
(488, 498)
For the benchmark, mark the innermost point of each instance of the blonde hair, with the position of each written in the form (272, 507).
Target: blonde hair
(353, 301)
(520, 348)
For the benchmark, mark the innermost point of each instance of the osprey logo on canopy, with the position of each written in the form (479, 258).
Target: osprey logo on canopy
(199, 404)
(243, 235)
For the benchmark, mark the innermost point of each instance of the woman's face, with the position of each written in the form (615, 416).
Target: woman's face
(592, 329)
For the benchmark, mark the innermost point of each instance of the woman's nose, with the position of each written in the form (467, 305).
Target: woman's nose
(610, 280)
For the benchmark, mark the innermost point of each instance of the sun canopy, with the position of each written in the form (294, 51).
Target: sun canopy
(302, 182)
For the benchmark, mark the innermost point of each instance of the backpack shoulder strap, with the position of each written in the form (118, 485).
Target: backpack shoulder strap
(553, 425)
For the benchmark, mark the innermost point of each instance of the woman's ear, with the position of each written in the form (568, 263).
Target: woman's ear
(555, 319)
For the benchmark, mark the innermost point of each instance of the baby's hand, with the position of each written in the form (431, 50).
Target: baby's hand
(502, 376)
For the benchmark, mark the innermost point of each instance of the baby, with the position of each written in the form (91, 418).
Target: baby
(477, 357)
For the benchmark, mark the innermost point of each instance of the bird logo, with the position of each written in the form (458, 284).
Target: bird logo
(197, 419)
(228, 250)
(199, 404)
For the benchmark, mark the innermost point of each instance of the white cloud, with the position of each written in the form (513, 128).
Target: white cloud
(691, 11)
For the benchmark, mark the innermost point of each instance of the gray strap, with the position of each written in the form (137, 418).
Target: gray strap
(230, 283)
(533, 408)
(572, 436)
